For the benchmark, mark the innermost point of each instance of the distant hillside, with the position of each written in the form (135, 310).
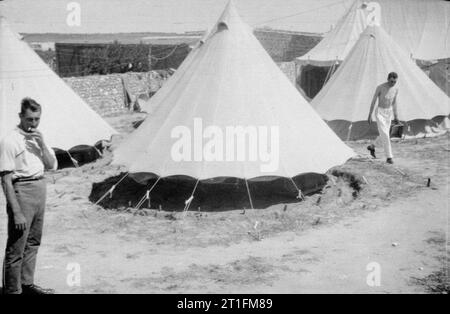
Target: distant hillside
(132, 38)
(124, 38)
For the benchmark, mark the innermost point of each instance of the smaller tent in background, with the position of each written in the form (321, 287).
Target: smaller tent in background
(336, 45)
(419, 27)
(344, 101)
(67, 121)
(319, 64)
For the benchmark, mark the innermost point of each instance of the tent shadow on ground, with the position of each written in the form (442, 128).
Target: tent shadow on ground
(171, 193)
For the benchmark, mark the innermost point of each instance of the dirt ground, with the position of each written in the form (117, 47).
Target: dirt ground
(324, 244)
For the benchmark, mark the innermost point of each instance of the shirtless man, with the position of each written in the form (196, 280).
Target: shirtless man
(386, 94)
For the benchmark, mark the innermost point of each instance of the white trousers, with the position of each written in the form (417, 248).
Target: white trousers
(384, 118)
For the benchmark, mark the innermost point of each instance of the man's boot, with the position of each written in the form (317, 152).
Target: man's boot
(35, 290)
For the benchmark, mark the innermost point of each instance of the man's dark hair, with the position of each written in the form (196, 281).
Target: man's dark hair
(392, 75)
(29, 104)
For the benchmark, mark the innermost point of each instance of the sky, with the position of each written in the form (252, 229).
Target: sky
(114, 16)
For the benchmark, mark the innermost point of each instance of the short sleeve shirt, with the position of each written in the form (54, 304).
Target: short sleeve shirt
(21, 155)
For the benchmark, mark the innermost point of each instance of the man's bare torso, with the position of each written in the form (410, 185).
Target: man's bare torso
(386, 95)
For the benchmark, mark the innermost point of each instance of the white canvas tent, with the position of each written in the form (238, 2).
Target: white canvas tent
(67, 121)
(420, 27)
(336, 44)
(229, 80)
(345, 100)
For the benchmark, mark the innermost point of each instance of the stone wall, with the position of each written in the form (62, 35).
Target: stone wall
(115, 94)
(144, 83)
(104, 93)
(289, 69)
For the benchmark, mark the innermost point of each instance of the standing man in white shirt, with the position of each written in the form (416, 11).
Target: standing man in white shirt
(24, 156)
(386, 94)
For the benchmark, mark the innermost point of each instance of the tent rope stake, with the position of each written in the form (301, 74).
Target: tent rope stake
(350, 131)
(147, 196)
(190, 199)
(300, 195)
(98, 151)
(249, 195)
(111, 190)
(74, 161)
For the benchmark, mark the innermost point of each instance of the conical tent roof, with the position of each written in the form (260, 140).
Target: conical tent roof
(420, 27)
(227, 81)
(67, 121)
(348, 94)
(335, 46)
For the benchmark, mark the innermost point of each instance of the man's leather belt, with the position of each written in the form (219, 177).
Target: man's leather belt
(26, 179)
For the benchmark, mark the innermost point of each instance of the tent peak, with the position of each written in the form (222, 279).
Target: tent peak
(229, 15)
(230, 5)
(229, 20)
